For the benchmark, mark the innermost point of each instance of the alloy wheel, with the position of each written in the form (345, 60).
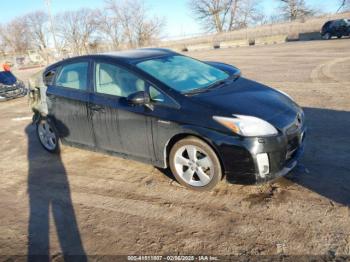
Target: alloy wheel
(47, 135)
(193, 165)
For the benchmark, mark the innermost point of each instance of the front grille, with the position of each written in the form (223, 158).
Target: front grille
(6, 89)
(9, 92)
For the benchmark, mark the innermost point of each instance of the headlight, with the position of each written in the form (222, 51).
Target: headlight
(247, 125)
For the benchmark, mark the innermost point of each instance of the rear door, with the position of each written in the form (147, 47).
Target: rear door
(118, 126)
(68, 102)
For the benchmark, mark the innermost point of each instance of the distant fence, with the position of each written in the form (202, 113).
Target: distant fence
(265, 34)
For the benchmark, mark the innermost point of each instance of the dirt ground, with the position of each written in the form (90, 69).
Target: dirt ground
(88, 203)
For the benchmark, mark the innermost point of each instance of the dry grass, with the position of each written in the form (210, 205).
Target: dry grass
(291, 29)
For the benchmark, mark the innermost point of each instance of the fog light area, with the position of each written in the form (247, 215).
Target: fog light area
(263, 164)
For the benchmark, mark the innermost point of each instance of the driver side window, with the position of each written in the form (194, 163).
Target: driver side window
(114, 80)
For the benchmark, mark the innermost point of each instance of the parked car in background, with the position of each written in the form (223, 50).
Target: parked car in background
(338, 28)
(10, 86)
(201, 119)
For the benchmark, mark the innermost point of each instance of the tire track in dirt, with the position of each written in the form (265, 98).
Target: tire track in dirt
(322, 73)
(114, 192)
(163, 212)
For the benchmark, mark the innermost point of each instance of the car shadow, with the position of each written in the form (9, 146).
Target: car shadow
(49, 191)
(325, 166)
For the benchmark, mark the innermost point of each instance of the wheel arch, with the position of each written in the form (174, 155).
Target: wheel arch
(177, 137)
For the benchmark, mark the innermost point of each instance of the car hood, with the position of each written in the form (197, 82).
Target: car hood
(246, 97)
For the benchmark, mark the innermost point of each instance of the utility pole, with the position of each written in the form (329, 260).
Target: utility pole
(48, 4)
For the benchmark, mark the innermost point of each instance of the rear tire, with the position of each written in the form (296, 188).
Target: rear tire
(48, 136)
(195, 164)
(339, 36)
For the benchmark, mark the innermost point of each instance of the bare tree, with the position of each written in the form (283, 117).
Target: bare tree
(226, 15)
(248, 13)
(214, 13)
(344, 5)
(2, 44)
(233, 14)
(76, 29)
(15, 36)
(137, 27)
(37, 24)
(145, 30)
(294, 9)
(109, 27)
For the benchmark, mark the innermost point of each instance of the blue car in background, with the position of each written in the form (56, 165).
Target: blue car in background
(10, 86)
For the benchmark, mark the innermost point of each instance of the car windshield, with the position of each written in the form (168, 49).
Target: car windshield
(183, 73)
(7, 78)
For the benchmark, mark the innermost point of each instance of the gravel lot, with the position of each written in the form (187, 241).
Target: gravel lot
(88, 203)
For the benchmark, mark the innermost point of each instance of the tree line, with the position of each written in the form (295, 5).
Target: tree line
(127, 23)
(227, 15)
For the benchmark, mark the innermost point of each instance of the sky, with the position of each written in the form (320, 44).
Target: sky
(178, 18)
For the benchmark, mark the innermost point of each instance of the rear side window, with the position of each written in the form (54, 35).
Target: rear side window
(74, 76)
(114, 80)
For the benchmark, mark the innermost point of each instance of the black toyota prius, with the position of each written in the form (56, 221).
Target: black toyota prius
(203, 120)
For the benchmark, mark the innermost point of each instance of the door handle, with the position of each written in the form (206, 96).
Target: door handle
(97, 108)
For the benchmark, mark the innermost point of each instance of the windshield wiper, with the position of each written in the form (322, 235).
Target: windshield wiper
(216, 84)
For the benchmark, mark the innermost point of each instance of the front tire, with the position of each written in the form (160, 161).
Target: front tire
(48, 136)
(327, 36)
(194, 164)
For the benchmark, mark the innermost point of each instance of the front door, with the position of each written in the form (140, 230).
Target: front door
(67, 103)
(118, 126)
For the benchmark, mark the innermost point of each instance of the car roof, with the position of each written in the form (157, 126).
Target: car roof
(139, 54)
(128, 56)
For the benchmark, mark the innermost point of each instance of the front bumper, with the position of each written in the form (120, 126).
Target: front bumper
(243, 162)
(288, 166)
(11, 92)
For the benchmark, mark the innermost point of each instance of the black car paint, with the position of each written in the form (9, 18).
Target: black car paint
(10, 86)
(110, 124)
(337, 28)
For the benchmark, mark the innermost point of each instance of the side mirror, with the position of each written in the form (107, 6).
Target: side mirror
(139, 98)
(236, 73)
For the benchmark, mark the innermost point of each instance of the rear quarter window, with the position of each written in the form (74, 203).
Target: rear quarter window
(49, 77)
